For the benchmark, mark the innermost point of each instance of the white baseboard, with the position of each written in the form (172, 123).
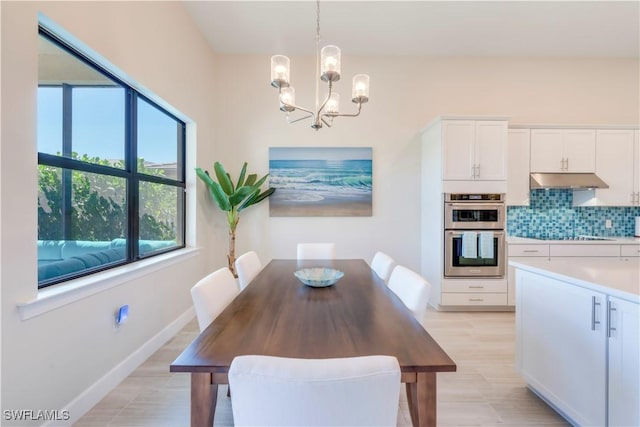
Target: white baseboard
(98, 390)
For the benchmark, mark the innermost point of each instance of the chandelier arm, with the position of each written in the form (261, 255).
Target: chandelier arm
(343, 115)
(299, 119)
(325, 100)
(327, 123)
(296, 107)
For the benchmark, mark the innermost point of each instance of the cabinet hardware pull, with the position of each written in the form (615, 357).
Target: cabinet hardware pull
(594, 322)
(566, 164)
(476, 299)
(531, 251)
(610, 310)
(481, 287)
(475, 271)
(478, 171)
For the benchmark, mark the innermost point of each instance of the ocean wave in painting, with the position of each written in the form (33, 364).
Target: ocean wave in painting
(314, 180)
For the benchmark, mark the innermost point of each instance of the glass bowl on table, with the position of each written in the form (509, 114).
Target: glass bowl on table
(318, 277)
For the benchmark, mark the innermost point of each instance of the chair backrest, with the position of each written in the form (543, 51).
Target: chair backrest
(248, 266)
(278, 391)
(316, 250)
(212, 294)
(383, 265)
(412, 289)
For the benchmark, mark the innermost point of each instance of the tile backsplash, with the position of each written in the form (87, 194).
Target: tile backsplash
(550, 215)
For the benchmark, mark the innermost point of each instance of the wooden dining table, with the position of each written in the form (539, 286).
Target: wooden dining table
(277, 315)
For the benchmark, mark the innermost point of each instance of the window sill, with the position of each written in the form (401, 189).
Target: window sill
(66, 293)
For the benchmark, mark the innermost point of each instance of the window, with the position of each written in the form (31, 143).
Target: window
(111, 184)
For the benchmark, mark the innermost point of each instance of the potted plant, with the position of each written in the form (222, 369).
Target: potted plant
(233, 199)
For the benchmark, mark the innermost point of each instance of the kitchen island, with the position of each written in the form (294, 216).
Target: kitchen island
(577, 332)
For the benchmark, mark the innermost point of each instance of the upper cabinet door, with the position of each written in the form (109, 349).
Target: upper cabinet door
(579, 150)
(491, 150)
(458, 149)
(547, 154)
(614, 165)
(563, 150)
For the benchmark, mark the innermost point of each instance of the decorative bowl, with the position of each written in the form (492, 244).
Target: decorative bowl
(318, 277)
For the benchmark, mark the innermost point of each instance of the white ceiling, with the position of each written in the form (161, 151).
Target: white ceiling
(432, 28)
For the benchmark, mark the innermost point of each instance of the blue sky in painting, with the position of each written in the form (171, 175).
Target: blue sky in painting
(320, 153)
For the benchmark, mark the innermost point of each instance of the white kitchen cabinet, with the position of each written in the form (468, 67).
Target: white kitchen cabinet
(474, 292)
(562, 345)
(578, 338)
(624, 370)
(563, 150)
(518, 148)
(615, 164)
(474, 150)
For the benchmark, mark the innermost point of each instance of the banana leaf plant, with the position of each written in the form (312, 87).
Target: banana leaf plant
(233, 199)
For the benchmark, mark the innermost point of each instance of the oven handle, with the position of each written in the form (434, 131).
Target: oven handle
(460, 233)
(475, 205)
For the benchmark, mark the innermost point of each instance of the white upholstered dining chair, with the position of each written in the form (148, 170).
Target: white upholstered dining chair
(248, 266)
(316, 250)
(382, 264)
(278, 391)
(212, 294)
(412, 289)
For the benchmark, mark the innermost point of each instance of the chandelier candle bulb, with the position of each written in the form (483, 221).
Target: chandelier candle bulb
(279, 71)
(330, 60)
(333, 104)
(360, 88)
(287, 98)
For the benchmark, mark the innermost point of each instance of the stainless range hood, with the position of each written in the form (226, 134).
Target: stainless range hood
(572, 181)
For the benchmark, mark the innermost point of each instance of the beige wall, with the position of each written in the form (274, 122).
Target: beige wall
(49, 360)
(406, 94)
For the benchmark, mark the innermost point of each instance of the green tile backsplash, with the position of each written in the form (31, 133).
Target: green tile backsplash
(551, 216)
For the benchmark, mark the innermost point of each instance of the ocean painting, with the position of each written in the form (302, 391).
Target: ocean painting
(320, 181)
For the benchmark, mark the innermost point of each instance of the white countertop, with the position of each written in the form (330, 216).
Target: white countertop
(619, 278)
(614, 241)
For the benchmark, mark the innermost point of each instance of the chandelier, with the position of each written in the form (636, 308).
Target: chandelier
(327, 70)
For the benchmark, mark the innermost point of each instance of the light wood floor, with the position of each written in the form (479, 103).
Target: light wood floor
(485, 391)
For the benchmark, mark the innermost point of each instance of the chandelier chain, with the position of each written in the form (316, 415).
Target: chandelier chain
(318, 21)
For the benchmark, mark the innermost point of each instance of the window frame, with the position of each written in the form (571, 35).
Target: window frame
(130, 172)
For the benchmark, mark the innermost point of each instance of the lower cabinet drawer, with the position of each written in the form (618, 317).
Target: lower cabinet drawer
(585, 250)
(474, 287)
(629, 250)
(473, 299)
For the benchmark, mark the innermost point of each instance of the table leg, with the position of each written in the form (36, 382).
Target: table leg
(203, 399)
(421, 396)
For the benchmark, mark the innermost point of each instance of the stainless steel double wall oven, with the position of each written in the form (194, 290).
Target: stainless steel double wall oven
(474, 235)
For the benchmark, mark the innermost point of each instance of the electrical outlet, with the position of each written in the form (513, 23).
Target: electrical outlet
(608, 223)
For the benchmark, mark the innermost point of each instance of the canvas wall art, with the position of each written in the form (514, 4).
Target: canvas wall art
(325, 181)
